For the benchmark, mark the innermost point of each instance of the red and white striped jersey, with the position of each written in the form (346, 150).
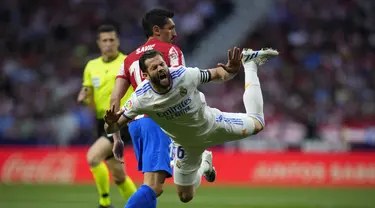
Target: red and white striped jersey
(130, 68)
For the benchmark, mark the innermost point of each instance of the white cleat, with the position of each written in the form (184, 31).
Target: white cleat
(258, 57)
(210, 175)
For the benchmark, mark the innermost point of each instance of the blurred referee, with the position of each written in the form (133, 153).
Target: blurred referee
(98, 81)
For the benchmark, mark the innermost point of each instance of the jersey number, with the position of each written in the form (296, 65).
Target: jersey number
(180, 152)
(135, 71)
(176, 151)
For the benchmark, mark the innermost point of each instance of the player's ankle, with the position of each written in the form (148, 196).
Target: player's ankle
(251, 65)
(207, 167)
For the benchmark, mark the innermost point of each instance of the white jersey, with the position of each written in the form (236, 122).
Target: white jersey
(182, 111)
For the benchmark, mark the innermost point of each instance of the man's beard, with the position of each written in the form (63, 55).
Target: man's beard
(157, 82)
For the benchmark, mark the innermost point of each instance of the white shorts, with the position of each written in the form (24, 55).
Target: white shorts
(186, 162)
(227, 127)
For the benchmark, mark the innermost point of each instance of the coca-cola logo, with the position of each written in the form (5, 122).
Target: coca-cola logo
(50, 168)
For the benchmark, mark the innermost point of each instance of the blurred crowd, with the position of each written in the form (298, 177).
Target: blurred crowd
(45, 45)
(325, 75)
(323, 79)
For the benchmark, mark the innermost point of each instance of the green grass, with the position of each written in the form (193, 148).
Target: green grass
(69, 196)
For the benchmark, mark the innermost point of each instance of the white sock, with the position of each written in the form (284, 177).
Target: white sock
(252, 97)
(199, 178)
(202, 169)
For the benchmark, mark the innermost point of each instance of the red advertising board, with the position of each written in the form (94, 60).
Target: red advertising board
(68, 165)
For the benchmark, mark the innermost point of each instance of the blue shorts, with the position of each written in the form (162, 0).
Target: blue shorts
(151, 146)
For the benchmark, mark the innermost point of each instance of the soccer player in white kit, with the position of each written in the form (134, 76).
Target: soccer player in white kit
(171, 98)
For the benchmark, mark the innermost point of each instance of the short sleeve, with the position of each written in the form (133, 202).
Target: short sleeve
(197, 76)
(131, 107)
(175, 56)
(87, 81)
(122, 72)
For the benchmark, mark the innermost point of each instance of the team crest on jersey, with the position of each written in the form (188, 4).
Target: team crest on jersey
(183, 91)
(128, 105)
(178, 164)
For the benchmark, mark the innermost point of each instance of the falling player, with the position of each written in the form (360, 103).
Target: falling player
(171, 98)
(98, 81)
(151, 144)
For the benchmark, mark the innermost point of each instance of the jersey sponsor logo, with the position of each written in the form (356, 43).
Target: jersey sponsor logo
(128, 105)
(177, 110)
(183, 91)
(145, 48)
(96, 82)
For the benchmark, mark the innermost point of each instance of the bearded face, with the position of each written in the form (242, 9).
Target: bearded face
(158, 72)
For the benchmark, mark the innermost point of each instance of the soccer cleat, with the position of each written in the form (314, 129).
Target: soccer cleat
(259, 57)
(210, 175)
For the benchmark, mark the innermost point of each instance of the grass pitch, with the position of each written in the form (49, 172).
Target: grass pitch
(84, 196)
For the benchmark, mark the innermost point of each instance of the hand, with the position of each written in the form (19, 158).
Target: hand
(111, 117)
(234, 61)
(83, 94)
(118, 150)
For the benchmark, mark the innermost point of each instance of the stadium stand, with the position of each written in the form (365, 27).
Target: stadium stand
(46, 45)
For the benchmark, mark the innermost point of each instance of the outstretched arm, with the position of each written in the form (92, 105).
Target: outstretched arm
(219, 74)
(114, 121)
(228, 71)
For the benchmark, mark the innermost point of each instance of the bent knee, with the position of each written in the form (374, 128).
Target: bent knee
(258, 126)
(92, 159)
(118, 171)
(118, 179)
(185, 197)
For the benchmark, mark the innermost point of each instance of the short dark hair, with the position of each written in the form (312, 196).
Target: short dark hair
(107, 28)
(147, 55)
(154, 17)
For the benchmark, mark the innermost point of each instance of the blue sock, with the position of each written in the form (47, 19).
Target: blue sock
(144, 197)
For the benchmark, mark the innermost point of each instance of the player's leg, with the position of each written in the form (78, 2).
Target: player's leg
(234, 126)
(189, 166)
(95, 157)
(145, 196)
(123, 182)
(151, 147)
(252, 96)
